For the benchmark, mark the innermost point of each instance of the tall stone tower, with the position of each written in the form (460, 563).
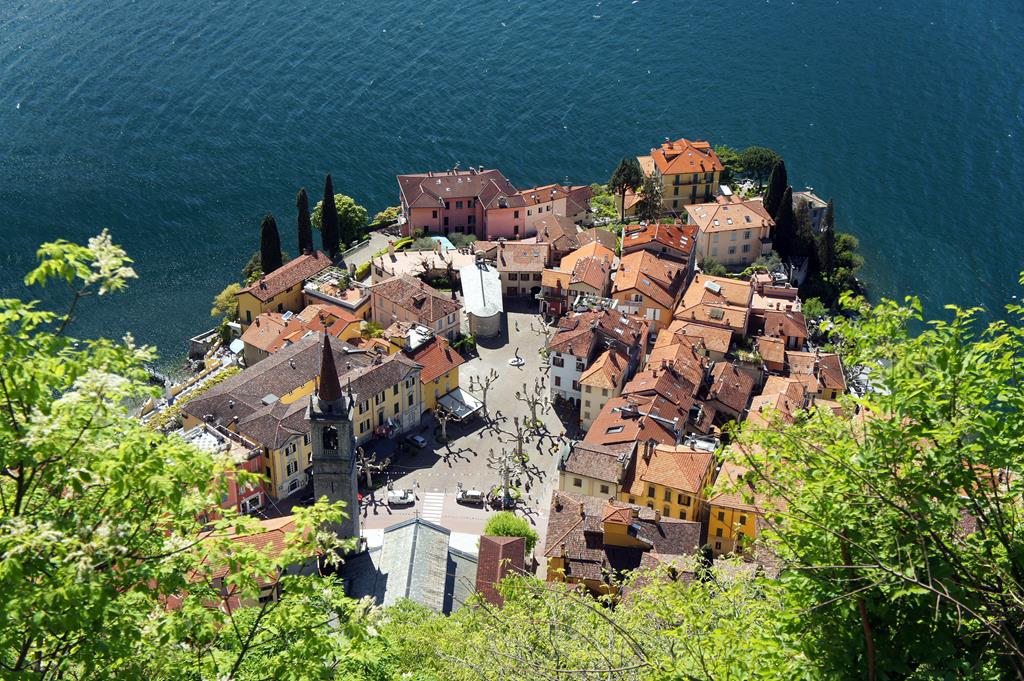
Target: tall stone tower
(334, 464)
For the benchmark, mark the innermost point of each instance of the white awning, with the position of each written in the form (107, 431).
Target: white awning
(460, 403)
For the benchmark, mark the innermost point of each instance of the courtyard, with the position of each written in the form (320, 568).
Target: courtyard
(436, 470)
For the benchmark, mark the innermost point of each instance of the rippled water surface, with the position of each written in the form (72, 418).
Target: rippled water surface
(177, 124)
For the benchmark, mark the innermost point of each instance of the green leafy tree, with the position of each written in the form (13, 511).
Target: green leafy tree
(304, 224)
(628, 176)
(225, 303)
(386, 217)
(712, 267)
(813, 308)
(777, 183)
(724, 626)
(270, 245)
(731, 162)
(902, 517)
(602, 202)
(351, 217)
(785, 224)
(100, 521)
(649, 205)
(757, 162)
(325, 218)
(508, 524)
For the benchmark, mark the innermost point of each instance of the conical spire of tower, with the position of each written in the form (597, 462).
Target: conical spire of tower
(329, 389)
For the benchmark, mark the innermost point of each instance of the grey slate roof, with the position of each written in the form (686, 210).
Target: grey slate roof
(250, 398)
(414, 562)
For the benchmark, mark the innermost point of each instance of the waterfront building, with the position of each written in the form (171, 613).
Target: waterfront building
(732, 231)
(689, 172)
(272, 331)
(281, 290)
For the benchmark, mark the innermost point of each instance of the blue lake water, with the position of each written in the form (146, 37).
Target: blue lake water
(176, 124)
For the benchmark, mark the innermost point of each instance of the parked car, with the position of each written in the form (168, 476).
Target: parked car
(470, 496)
(401, 497)
(417, 441)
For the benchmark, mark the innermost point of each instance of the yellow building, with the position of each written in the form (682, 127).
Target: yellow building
(272, 331)
(281, 290)
(670, 479)
(690, 172)
(732, 521)
(602, 381)
(440, 370)
(732, 231)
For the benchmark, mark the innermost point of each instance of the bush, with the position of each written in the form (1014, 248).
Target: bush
(423, 243)
(460, 240)
(386, 217)
(508, 524)
(712, 267)
(363, 271)
(170, 417)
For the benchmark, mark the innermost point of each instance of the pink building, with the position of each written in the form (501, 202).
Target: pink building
(484, 203)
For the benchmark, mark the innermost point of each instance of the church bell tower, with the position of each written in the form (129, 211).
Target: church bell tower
(334, 465)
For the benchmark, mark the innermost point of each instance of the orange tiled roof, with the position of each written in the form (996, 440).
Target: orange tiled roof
(677, 236)
(591, 250)
(685, 156)
(716, 301)
(606, 371)
(715, 339)
(290, 274)
(651, 276)
(729, 490)
(677, 467)
(729, 214)
(437, 358)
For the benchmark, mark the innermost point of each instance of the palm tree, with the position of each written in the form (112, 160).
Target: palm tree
(627, 176)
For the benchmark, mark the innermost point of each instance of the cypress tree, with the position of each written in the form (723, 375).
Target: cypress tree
(329, 219)
(627, 176)
(270, 245)
(304, 224)
(777, 183)
(785, 233)
(828, 240)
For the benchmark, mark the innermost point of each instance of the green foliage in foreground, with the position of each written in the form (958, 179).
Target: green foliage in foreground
(881, 574)
(508, 524)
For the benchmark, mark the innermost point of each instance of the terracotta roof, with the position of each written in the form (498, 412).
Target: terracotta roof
(715, 339)
(716, 301)
(607, 371)
(730, 490)
(598, 235)
(436, 358)
(826, 367)
(684, 156)
(591, 250)
(676, 236)
(559, 231)
(779, 324)
(683, 358)
(575, 341)
(576, 534)
(595, 461)
(578, 195)
(498, 557)
(637, 418)
(656, 278)
(290, 274)
(555, 278)
(269, 539)
(677, 467)
(578, 330)
(426, 302)
(730, 386)
(594, 272)
(771, 349)
(729, 214)
(783, 395)
(270, 332)
(429, 190)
